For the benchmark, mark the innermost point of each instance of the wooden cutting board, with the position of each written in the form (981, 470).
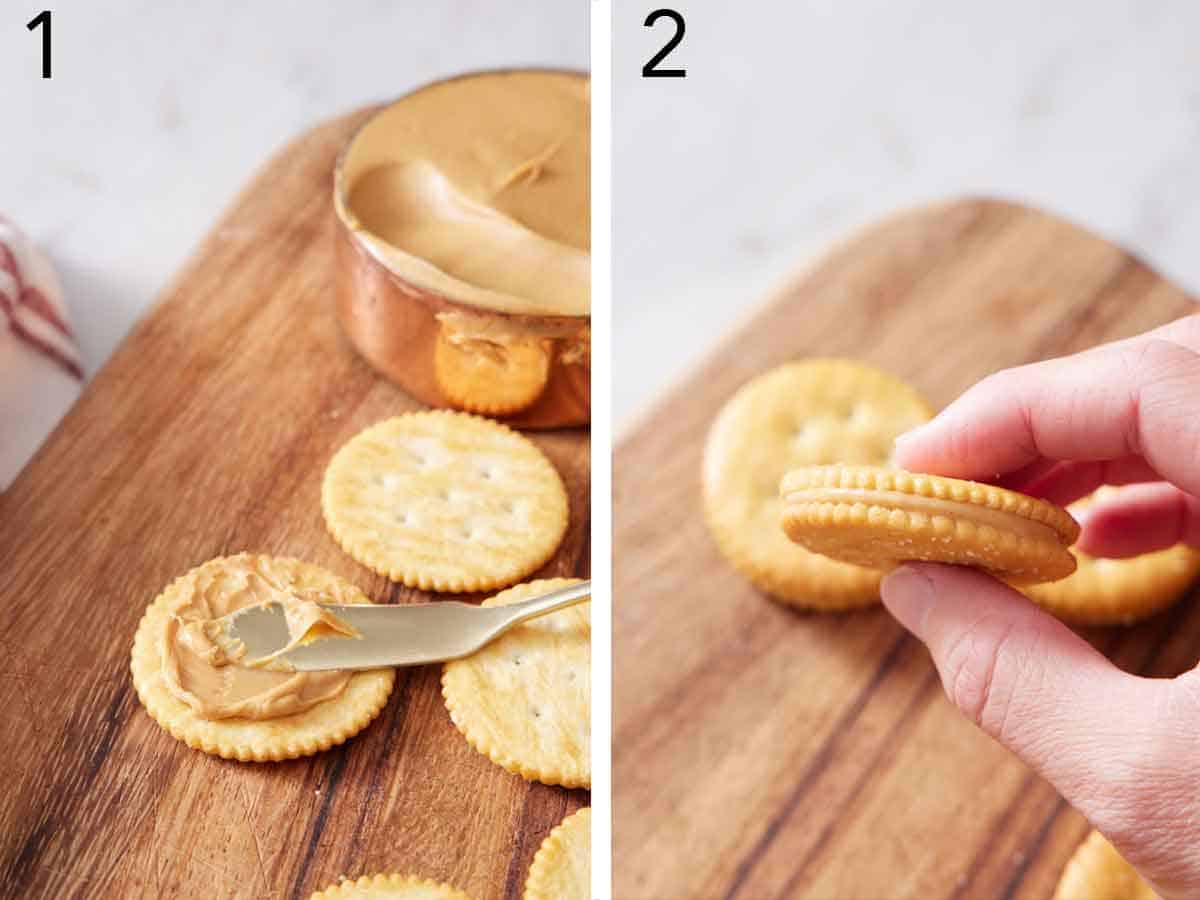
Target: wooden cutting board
(763, 752)
(207, 434)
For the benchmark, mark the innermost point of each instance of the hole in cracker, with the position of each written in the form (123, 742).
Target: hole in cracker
(516, 660)
(537, 713)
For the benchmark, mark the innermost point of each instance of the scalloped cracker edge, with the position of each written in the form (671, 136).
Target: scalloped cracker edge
(561, 869)
(410, 887)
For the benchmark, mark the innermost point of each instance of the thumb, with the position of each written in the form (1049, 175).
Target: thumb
(1109, 742)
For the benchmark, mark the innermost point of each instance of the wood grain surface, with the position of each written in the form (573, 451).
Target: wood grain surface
(762, 752)
(207, 434)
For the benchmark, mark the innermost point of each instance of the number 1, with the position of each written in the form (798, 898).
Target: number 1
(43, 18)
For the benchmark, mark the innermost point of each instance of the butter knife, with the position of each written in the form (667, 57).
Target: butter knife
(390, 635)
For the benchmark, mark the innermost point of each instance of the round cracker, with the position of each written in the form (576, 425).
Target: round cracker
(1097, 871)
(445, 501)
(562, 868)
(286, 737)
(495, 379)
(524, 700)
(399, 887)
(1118, 591)
(801, 413)
(878, 517)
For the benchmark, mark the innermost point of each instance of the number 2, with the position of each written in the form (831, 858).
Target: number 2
(650, 69)
(43, 18)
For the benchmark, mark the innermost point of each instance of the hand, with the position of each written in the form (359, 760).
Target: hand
(1122, 749)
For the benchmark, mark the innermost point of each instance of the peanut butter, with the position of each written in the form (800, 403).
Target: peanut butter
(477, 188)
(205, 670)
(931, 506)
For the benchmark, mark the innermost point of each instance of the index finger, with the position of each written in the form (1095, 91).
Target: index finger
(1139, 397)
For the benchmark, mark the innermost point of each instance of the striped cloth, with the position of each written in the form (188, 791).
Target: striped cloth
(40, 369)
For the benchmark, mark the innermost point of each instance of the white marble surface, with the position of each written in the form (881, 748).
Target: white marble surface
(158, 112)
(799, 122)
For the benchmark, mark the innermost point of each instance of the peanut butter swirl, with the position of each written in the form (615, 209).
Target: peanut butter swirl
(478, 189)
(206, 671)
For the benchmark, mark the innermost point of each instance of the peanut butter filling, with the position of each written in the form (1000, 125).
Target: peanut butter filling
(930, 506)
(203, 668)
(478, 188)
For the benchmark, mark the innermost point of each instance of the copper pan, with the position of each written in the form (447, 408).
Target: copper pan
(397, 327)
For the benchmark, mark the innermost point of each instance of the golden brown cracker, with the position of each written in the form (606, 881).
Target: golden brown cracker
(490, 377)
(800, 413)
(445, 501)
(877, 517)
(397, 887)
(1098, 872)
(524, 700)
(562, 868)
(1118, 591)
(322, 726)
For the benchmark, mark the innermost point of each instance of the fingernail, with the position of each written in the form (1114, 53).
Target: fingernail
(909, 595)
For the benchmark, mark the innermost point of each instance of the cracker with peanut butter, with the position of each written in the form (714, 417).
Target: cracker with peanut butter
(399, 887)
(524, 700)
(876, 517)
(195, 686)
(1098, 872)
(445, 501)
(562, 868)
(800, 413)
(495, 378)
(1118, 591)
